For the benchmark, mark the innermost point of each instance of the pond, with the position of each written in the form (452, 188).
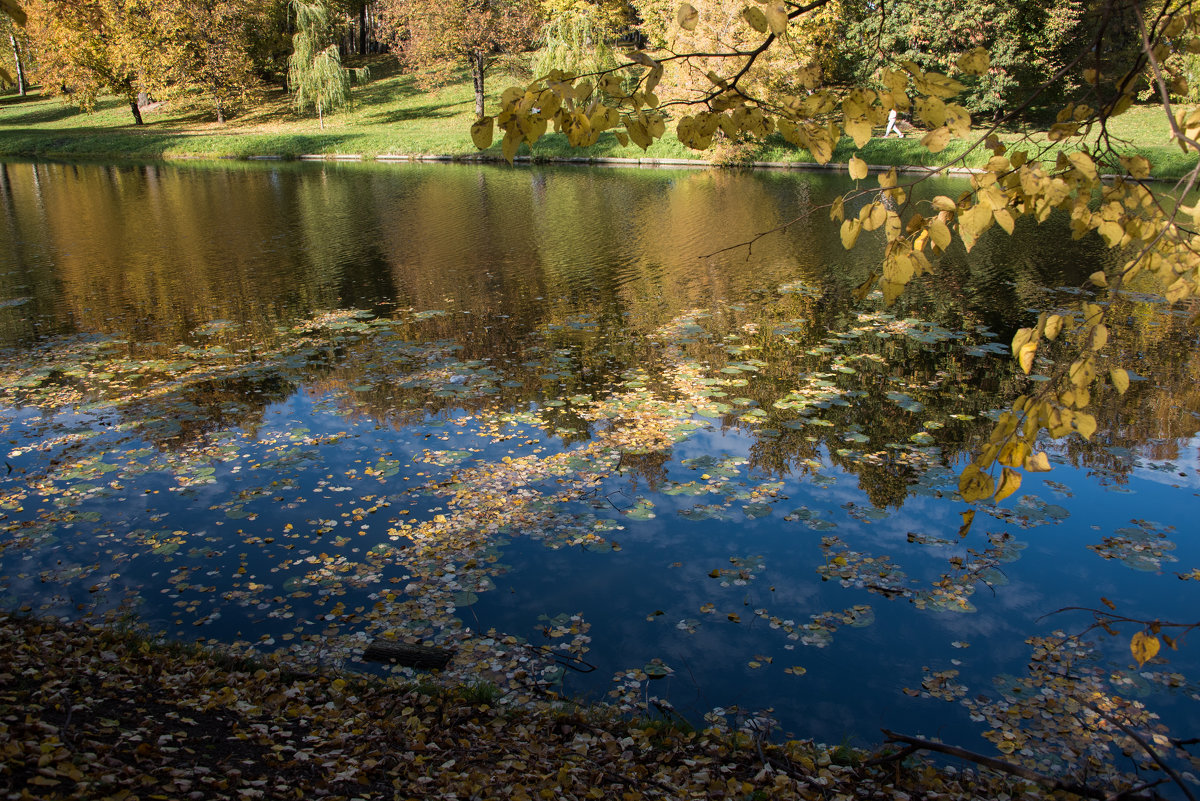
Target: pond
(580, 425)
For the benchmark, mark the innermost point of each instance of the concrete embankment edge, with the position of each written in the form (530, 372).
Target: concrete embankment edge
(806, 166)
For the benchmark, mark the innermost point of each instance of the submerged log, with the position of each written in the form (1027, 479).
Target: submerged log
(426, 657)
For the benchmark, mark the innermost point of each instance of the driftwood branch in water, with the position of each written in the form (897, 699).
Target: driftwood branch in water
(427, 657)
(1049, 782)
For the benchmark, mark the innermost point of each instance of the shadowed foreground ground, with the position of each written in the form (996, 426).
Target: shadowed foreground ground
(88, 712)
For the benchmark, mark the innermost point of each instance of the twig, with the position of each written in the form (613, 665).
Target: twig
(1137, 788)
(669, 712)
(766, 762)
(569, 662)
(1049, 782)
(908, 750)
(1103, 619)
(788, 771)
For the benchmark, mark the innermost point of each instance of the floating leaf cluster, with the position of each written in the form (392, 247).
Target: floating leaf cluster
(1141, 546)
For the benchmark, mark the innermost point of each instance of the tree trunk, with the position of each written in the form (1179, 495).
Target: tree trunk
(289, 34)
(220, 113)
(16, 48)
(137, 112)
(362, 30)
(477, 74)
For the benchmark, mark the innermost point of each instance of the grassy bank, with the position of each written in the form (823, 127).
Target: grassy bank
(391, 115)
(94, 712)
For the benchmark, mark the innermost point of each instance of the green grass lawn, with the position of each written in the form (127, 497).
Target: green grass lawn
(391, 115)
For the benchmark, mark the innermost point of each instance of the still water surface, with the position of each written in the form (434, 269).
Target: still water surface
(539, 415)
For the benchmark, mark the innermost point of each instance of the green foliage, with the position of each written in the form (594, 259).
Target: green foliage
(574, 41)
(1027, 40)
(478, 693)
(315, 71)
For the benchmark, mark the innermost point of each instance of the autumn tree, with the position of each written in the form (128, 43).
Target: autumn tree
(315, 71)
(439, 37)
(208, 45)
(88, 48)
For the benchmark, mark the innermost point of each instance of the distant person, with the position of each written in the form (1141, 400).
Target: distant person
(891, 126)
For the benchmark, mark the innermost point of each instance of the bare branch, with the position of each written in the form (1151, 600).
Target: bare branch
(1134, 790)
(1020, 771)
(1145, 746)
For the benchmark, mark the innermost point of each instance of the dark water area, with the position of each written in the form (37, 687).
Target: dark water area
(585, 426)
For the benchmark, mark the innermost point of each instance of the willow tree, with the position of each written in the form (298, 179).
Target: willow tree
(576, 35)
(315, 71)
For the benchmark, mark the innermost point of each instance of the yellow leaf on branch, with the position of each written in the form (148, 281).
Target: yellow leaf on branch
(939, 232)
(974, 484)
(936, 140)
(755, 18)
(777, 17)
(1025, 356)
(850, 231)
(1085, 424)
(1038, 463)
(859, 131)
(1144, 647)
(1010, 482)
(858, 168)
(974, 62)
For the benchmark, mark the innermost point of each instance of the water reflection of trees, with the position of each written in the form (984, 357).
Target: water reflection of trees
(560, 273)
(152, 252)
(941, 376)
(1158, 414)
